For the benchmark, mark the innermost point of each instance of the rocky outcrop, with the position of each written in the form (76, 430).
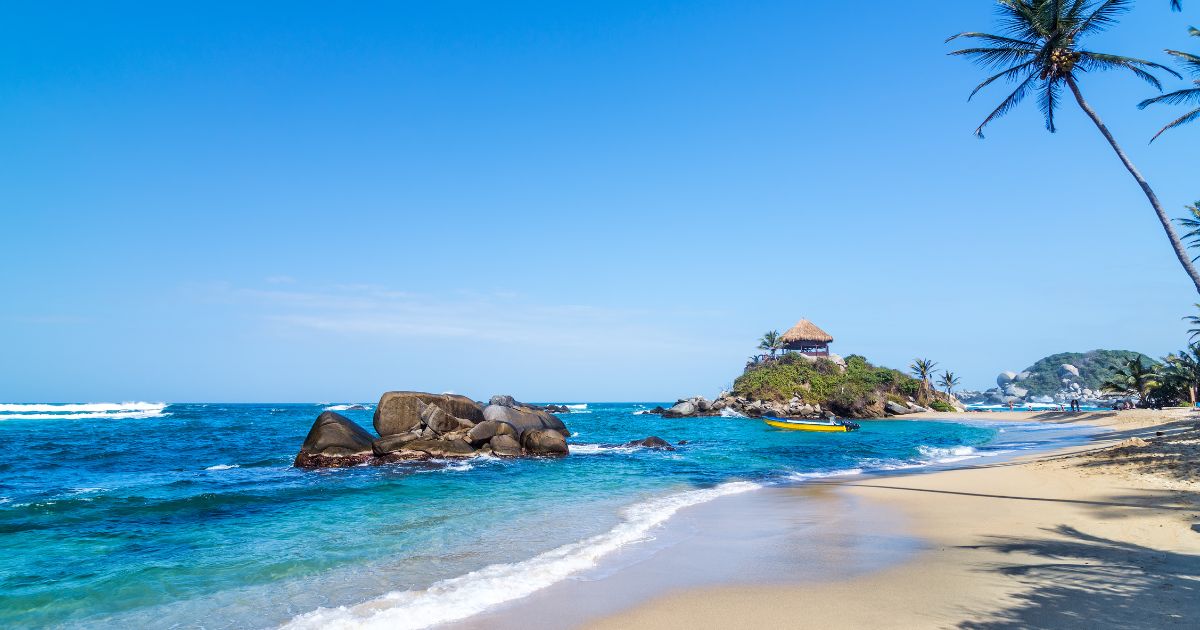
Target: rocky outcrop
(334, 441)
(400, 412)
(420, 425)
(653, 442)
(699, 406)
(544, 442)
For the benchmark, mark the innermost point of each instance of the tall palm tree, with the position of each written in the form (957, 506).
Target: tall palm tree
(1136, 378)
(923, 370)
(1183, 369)
(948, 381)
(1191, 63)
(770, 342)
(1040, 50)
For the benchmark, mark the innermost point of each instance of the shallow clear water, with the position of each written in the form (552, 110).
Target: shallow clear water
(192, 515)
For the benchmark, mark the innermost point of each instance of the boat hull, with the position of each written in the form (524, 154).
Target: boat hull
(818, 427)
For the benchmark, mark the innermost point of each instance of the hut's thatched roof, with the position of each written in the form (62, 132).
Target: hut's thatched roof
(805, 330)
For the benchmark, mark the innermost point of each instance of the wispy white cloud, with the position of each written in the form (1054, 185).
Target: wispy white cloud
(506, 318)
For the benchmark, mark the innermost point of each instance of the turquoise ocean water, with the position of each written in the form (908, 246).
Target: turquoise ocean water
(190, 515)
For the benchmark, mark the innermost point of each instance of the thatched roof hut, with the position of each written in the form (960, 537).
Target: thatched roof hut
(805, 337)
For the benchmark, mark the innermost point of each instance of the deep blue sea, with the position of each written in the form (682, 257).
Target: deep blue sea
(190, 515)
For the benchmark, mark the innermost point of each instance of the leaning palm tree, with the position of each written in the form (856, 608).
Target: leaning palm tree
(948, 381)
(923, 370)
(1191, 95)
(1135, 379)
(770, 342)
(1040, 49)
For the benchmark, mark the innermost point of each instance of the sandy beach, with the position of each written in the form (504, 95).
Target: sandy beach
(1106, 534)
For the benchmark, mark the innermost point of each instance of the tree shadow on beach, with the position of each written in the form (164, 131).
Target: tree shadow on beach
(1173, 451)
(1077, 580)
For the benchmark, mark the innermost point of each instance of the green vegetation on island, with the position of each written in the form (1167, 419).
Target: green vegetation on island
(1044, 378)
(859, 390)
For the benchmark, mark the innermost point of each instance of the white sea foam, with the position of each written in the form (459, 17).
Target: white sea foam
(947, 455)
(804, 476)
(348, 407)
(222, 467)
(597, 449)
(466, 595)
(729, 413)
(80, 411)
(579, 406)
(78, 407)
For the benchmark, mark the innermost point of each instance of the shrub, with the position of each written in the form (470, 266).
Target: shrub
(941, 405)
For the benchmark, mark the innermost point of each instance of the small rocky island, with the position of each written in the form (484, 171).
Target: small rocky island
(798, 377)
(414, 426)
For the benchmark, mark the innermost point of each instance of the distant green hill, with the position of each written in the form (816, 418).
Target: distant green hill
(1095, 368)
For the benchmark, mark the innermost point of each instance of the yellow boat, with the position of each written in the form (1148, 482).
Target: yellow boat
(832, 426)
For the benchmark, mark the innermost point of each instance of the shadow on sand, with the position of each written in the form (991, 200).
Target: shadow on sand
(1082, 581)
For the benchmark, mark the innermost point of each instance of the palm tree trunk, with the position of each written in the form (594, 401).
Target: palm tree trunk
(1176, 244)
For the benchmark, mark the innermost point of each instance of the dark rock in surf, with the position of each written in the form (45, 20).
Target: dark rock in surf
(505, 445)
(544, 442)
(654, 442)
(334, 441)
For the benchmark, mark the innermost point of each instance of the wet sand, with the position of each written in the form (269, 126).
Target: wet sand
(1090, 537)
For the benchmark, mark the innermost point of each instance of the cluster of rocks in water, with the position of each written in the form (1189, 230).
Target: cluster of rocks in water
(1009, 390)
(793, 408)
(420, 425)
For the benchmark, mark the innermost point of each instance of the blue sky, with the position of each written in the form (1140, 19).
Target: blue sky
(562, 201)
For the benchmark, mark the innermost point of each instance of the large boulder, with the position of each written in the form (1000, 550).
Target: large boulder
(1015, 390)
(441, 422)
(1067, 370)
(1005, 378)
(400, 412)
(441, 448)
(488, 429)
(543, 442)
(505, 445)
(393, 443)
(334, 440)
(896, 408)
(524, 419)
(683, 409)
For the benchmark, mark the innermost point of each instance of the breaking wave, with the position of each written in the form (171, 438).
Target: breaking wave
(466, 595)
(80, 411)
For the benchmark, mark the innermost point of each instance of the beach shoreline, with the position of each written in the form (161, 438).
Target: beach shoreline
(1076, 537)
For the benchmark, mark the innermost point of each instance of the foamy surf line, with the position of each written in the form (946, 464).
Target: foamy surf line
(467, 595)
(80, 411)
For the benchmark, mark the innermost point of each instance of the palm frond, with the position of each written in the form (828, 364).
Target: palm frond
(1189, 117)
(1007, 104)
(1047, 101)
(995, 57)
(1007, 74)
(1178, 97)
(1103, 17)
(1101, 61)
(1176, 5)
